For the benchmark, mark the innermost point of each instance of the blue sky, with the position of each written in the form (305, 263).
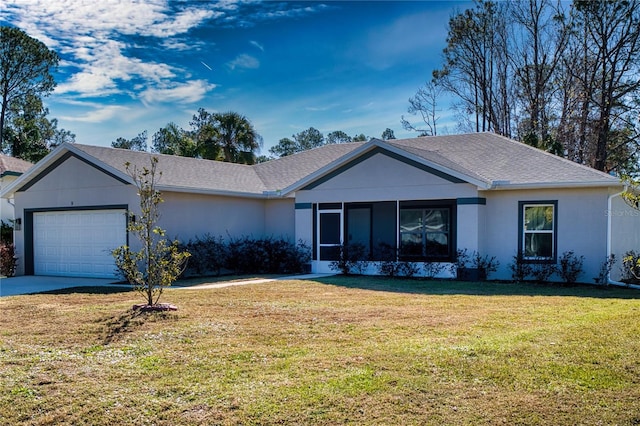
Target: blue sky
(128, 66)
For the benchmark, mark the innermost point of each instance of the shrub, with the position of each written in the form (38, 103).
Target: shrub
(408, 269)
(605, 270)
(245, 255)
(484, 264)
(520, 270)
(388, 260)
(208, 256)
(6, 232)
(432, 269)
(353, 259)
(461, 261)
(542, 271)
(8, 259)
(570, 266)
(631, 267)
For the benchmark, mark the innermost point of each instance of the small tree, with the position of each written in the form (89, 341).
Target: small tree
(159, 262)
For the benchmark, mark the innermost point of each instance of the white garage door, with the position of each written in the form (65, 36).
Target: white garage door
(77, 243)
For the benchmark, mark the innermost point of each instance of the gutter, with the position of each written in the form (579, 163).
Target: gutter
(506, 185)
(609, 218)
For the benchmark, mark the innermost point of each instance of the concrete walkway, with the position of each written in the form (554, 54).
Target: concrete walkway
(222, 284)
(37, 284)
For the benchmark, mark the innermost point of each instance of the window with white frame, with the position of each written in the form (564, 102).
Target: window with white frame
(538, 229)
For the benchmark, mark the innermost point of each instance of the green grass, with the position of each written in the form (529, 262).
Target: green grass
(338, 351)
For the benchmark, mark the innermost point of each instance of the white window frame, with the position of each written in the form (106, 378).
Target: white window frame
(552, 231)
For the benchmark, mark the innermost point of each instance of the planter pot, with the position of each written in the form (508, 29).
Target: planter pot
(471, 274)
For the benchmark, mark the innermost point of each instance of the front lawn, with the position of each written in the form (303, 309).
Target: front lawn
(338, 351)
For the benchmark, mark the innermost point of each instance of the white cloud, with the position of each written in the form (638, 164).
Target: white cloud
(244, 61)
(98, 115)
(91, 37)
(189, 92)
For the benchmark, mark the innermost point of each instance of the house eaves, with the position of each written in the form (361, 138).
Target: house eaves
(205, 191)
(505, 186)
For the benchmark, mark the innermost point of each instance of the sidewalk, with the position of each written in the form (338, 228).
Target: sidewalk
(222, 284)
(38, 284)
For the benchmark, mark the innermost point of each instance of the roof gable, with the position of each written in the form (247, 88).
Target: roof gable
(375, 151)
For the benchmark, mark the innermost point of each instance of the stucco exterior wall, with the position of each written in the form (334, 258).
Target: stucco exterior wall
(625, 231)
(279, 218)
(581, 227)
(186, 216)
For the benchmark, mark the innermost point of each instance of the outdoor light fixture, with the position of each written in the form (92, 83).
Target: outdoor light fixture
(17, 224)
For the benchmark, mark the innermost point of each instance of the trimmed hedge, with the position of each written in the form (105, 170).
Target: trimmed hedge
(244, 255)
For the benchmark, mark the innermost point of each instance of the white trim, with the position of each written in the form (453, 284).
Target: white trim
(503, 185)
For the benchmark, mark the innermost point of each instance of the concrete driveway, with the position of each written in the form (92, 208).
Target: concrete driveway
(37, 284)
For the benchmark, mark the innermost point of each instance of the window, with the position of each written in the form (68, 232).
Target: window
(425, 233)
(538, 222)
(419, 230)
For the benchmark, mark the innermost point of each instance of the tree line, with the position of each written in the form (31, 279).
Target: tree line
(561, 77)
(230, 136)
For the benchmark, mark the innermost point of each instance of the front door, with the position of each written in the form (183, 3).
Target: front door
(329, 234)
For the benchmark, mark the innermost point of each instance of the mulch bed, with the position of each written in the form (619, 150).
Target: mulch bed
(160, 307)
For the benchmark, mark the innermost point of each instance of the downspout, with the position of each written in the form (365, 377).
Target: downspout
(609, 219)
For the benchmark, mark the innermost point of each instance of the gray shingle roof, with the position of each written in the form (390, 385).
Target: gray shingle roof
(182, 172)
(286, 171)
(491, 160)
(496, 159)
(13, 165)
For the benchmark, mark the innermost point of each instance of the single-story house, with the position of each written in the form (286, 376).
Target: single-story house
(10, 169)
(427, 196)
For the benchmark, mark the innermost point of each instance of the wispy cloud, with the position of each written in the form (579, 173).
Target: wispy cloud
(256, 44)
(190, 92)
(97, 114)
(244, 61)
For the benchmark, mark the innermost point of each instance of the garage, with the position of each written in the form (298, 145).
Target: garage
(77, 243)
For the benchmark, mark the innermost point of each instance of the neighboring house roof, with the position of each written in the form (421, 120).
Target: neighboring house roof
(486, 160)
(11, 166)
